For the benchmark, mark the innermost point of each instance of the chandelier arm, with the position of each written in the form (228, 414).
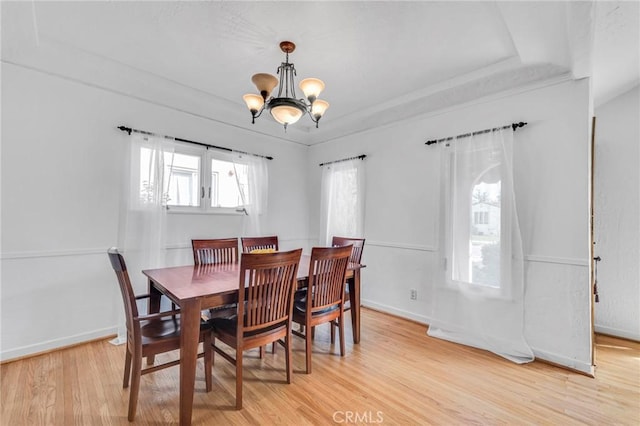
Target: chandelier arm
(312, 117)
(259, 113)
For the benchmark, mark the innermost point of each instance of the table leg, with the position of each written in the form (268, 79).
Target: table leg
(153, 307)
(354, 300)
(154, 299)
(189, 336)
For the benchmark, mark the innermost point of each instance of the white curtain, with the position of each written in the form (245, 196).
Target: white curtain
(142, 230)
(479, 292)
(342, 200)
(254, 192)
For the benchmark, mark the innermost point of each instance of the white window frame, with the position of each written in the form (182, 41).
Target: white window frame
(205, 184)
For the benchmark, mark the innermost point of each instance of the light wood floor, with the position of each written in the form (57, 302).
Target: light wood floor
(397, 376)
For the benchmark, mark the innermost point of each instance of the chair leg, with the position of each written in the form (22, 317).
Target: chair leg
(287, 344)
(208, 361)
(135, 385)
(273, 347)
(213, 352)
(333, 326)
(307, 347)
(313, 333)
(262, 350)
(341, 331)
(127, 368)
(238, 379)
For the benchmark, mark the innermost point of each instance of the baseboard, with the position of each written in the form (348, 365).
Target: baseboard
(564, 362)
(56, 344)
(554, 359)
(394, 311)
(616, 332)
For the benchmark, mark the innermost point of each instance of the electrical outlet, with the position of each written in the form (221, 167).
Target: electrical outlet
(414, 294)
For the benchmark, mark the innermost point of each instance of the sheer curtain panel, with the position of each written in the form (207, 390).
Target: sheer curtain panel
(342, 200)
(479, 291)
(142, 230)
(254, 193)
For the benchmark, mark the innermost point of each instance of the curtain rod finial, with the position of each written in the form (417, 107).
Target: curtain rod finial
(125, 129)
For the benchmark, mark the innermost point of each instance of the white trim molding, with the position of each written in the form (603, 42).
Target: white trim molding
(394, 311)
(417, 247)
(610, 331)
(563, 361)
(37, 348)
(558, 260)
(52, 253)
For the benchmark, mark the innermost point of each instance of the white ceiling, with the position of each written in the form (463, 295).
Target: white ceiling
(381, 61)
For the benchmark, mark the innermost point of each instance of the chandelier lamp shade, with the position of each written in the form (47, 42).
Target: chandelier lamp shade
(285, 108)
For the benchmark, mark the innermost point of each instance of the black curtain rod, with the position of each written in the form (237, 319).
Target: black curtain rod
(143, 132)
(359, 157)
(514, 126)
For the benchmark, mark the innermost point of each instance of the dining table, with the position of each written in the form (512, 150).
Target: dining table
(195, 288)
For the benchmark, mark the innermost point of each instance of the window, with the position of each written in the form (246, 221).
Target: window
(481, 218)
(195, 180)
(342, 200)
(478, 245)
(182, 179)
(227, 180)
(484, 237)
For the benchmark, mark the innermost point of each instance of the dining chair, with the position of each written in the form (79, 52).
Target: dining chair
(356, 257)
(215, 252)
(267, 282)
(260, 245)
(250, 244)
(149, 335)
(324, 301)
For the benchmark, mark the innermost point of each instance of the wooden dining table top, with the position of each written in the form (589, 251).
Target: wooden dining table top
(194, 281)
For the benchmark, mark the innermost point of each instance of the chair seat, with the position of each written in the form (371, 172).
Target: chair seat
(225, 311)
(300, 294)
(229, 326)
(162, 329)
(300, 307)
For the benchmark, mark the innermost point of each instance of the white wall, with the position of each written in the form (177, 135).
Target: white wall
(617, 215)
(62, 160)
(551, 172)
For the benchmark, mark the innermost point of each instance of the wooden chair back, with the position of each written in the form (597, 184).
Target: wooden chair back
(325, 295)
(126, 290)
(327, 272)
(356, 257)
(357, 243)
(215, 251)
(252, 243)
(267, 284)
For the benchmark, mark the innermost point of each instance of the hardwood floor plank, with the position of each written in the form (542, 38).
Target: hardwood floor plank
(396, 375)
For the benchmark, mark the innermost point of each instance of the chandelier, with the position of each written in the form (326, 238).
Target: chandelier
(285, 108)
